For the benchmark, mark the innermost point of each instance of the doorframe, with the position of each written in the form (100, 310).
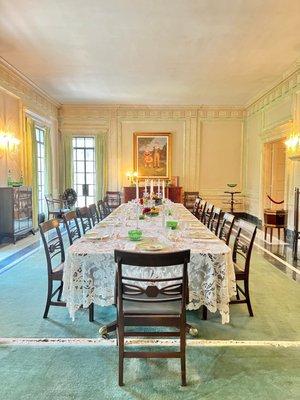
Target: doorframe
(271, 135)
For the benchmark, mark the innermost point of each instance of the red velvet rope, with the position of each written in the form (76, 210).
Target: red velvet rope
(273, 201)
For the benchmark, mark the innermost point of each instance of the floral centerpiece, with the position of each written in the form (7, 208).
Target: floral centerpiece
(151, 211)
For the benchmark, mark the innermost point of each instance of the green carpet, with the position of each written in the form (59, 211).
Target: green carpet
(275, 298)
(90, 373)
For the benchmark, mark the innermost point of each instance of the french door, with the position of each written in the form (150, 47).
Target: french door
(84, 170)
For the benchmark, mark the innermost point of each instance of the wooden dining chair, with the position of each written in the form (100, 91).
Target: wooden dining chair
(208, 214)
(113, 199)
(161, 303)
(71, 223)
(242, 250)
(55, 256)
(226, 227)
(53, 246)
(189, 199)
(214, 222)
(55, 207)
(103, 209)
(84, 215)
(94, 214)
(201, 210)
(195, 209)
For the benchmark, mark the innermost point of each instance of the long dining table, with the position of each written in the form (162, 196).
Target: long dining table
(89, 273)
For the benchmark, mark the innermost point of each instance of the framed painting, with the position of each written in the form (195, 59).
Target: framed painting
(152, 155)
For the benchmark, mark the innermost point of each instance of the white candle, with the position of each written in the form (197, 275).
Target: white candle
(151, 187)
(137, 190)
(158, 186)
(146, 185)
(163, 190)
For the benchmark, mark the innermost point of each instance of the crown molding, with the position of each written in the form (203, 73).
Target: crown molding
(90, 111)
(31, 97)
(289, 81)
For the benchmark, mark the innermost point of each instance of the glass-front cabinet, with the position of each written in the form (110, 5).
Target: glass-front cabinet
(15, 212)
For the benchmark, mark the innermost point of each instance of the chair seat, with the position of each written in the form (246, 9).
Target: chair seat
(57, 273)
(141, 308)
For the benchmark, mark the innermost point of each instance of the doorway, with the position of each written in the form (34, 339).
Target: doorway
(274, 173)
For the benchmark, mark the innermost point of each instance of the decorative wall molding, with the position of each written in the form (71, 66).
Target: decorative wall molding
(285, 87)
(31, 96)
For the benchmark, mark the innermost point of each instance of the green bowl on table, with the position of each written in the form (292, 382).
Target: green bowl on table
(172, 224)
(135, 235)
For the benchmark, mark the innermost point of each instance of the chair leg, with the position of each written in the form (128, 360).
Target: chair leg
(237, 294)
(91, 312)
(182, 353)
(121, 355)
(248, 299)
(266, 233)
(60, 292)
(204, 313)
(50, 288)
(271, 235)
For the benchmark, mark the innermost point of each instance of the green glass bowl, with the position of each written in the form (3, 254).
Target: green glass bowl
(135, 234)
(172, 224)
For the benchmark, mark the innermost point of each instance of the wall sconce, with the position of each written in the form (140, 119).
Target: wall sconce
(292, 142)
(132, 176)
(8, 141)
(293, 147)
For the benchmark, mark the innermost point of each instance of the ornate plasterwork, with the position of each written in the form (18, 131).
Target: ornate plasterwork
(284, 88)
(30, 95)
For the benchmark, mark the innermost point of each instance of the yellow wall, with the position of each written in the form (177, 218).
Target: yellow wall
(10, 123)
(206, 141)
(19, 97)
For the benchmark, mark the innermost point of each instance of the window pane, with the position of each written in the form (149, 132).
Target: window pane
(89, 166)
(89, 142)
(90, 155)
(80, 166)
(80, 178)
(89, 178)
(80, 142)
(80, 154)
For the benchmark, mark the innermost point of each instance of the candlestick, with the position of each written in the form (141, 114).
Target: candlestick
(163, 190)
(146, 181)
(158, 187)
(137, 190)
(151, 187)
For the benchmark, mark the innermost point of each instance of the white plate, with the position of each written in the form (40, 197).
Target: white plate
(95, 236)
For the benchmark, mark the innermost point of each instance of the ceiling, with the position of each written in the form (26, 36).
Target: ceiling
(183, 52)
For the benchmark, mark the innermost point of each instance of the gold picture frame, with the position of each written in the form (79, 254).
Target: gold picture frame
(152, 154)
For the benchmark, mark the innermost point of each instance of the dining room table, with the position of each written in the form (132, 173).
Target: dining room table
(90, 269)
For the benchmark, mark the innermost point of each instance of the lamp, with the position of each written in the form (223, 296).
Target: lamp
(132, 176)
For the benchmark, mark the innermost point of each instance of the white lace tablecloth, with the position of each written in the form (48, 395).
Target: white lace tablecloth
(89, 273)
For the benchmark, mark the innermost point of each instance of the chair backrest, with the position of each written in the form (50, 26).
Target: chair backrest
(132, 288)
(94, 214)
(72, 226)
(85, 218)
(53, 204)
(113, 199)
(189, 199)
(226, 227)
(208, 214)
(243, 244)
(53, 243)
(214, 222)
(103, 209)
(196, 206)
(201, 209)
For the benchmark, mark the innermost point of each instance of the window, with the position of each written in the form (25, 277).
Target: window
(84, 170)
(40, 144)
